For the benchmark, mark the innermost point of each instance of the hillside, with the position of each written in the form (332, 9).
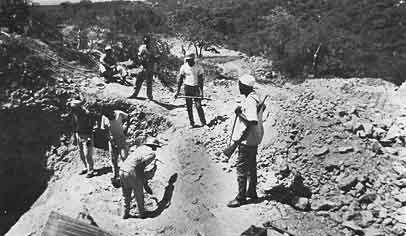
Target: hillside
(332, 161)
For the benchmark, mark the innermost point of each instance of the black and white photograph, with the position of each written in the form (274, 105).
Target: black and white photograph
(202, 117)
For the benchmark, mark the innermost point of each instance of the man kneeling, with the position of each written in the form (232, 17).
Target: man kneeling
(133, 177)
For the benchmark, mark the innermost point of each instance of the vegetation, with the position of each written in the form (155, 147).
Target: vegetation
(324, 37)
(321, 37)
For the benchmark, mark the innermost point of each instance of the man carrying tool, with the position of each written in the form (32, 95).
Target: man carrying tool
(116, 123)
(133, 176)
(146, 57)
(191, 75)
(108, 64)
(83, 128)
(248, 134)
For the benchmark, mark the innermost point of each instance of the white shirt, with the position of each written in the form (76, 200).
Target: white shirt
(250, 110)
(140, 155)
(116, 125)
(191, 74)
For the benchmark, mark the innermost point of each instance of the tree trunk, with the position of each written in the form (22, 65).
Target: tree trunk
(200, 51)
(196, 49)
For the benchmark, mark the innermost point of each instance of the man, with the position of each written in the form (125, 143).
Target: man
(108, 64)
(191, 75)
(146, 57)
(83, 129)
(132, 175)
(249, 130)
(116, 123)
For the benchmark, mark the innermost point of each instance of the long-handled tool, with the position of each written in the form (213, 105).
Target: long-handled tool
(194, 97)
(232, 131)
(269, 225)
(231, 148)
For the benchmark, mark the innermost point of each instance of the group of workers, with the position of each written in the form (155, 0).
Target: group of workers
(132, 174)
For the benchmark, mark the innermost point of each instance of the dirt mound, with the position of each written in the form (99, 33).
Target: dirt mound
(330, 153)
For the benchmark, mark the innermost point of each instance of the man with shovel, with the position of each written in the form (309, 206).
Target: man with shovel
(248, 135)
(134, 177)
(191, 75)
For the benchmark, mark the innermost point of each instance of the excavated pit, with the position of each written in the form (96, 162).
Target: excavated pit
(26, 135)
(34, 141)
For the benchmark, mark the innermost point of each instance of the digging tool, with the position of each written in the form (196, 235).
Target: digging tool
(269, 225)
(231, 148)
(194, 97)
(232, 131)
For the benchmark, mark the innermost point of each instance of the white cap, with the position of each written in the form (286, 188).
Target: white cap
(75, 103)
(190, 56)
(248, 80)
(108, 47)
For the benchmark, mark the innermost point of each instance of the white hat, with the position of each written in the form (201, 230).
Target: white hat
(108, 47)
(190, 56)
(248, 80)
(75, 103)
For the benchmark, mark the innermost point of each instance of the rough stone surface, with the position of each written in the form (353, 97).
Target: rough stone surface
(345, 149)
(401, 198)
(320, 151)
(302, 203)
(346, 183)
(324, 205)
(353, 227)
(367, 198)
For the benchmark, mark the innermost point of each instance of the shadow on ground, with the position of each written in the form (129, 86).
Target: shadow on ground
(165, 202)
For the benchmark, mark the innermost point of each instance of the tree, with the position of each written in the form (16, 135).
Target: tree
(198, 26)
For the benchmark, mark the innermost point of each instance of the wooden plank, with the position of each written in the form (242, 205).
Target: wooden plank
(60, 225)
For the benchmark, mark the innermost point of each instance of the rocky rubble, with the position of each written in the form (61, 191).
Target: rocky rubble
(343, 156)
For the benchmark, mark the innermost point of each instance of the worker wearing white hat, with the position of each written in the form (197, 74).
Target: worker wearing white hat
(191, 76)
(249, 131)
(133, 174)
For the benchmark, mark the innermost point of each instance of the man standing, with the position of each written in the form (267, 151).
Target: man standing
(83, 129)
(116, 123)
(108, 64)
(191, 75)
(249, 131)
(133, 177)
(146, 57)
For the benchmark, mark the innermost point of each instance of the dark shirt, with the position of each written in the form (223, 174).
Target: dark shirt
(82, 122)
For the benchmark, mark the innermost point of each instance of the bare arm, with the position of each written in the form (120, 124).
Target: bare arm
(247, 122)
(180, 82)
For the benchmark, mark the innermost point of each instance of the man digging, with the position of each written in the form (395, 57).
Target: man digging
(133, 177)
(248, 134)
(191, 75)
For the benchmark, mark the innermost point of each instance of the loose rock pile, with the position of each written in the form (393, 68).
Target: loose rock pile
(333, 159)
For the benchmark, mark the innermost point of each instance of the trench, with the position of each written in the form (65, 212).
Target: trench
(29, 137)
(26, 136)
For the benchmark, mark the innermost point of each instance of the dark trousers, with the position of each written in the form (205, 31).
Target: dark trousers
(109, 75)
(194, 91)
(247, 168)
(144, 75)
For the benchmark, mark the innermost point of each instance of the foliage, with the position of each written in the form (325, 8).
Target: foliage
(354, 38)
(198, 25)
